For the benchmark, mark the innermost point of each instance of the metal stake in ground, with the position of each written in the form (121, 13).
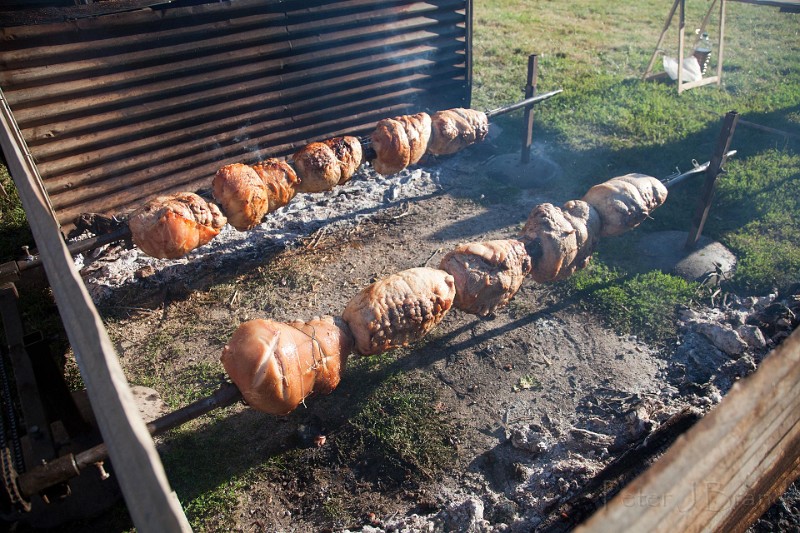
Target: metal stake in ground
(530, 90)
(718, 159)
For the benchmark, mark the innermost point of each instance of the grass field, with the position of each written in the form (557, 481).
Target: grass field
(610, 122)
(606, 123)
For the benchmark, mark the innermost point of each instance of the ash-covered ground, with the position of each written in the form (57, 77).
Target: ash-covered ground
(541, 397)
(361, 197)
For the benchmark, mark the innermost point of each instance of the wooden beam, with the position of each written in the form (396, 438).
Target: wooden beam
(792, 6)
(152, 504)
(721, 46)
(681, 42)
(729, 468)
(667, 24)
(699, 83)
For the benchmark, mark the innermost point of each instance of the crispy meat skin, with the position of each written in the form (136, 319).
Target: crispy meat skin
(626, 201)
(169, 227)
(390, 142)
(455, 129)
(586, 221)
(242, 195)
(400, 141)
(560, 240)
(280, 179)
(487, 274)
(399, 309)
(418, 131)
(277, 365)
(348, 152)
(318, 169)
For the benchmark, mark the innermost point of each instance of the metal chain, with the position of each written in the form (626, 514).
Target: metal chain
(18, 501)
(10, 463)
(11, 414)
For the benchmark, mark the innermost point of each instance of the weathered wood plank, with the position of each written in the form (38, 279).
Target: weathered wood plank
(152, 504)
(729, 468)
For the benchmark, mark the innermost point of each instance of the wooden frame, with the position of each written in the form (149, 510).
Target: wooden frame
(680, 6)
(150, 500)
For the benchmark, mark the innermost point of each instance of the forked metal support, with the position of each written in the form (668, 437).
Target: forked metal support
(713, 171)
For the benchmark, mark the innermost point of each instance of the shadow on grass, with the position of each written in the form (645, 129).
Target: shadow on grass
(584, 168)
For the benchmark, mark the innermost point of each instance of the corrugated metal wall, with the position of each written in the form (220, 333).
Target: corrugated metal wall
(121, 108)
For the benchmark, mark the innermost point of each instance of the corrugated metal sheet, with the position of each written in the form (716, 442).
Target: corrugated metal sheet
(120, 108)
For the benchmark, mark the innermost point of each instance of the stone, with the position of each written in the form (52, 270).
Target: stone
(723, 337)
(752, 336)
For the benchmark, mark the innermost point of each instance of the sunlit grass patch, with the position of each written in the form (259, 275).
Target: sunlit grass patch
(641, 304)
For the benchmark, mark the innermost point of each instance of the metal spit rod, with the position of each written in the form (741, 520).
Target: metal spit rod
(674, 179)
(68, 466)
(79, 246)
(522, 103)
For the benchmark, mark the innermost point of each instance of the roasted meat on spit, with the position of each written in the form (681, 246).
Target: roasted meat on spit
(391, 146)
(169, 227)
(277, 365)
(242, 194)
(418, 131)
(348, 152)
(487, 274)
(560, 240)
(399, 309)
(626, 201)
(317, 168)
(320, 165)
(400, 141)
(453, 130)
(280, 179)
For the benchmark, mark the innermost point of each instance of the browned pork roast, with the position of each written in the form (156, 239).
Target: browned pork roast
(169, 227)
(487, 274)
(348, 152)
(318, 169)
(560, 240)
(626, 201)
(280, 179)
(453, 130)
(277, 365)
(399, 309)
(242, 195)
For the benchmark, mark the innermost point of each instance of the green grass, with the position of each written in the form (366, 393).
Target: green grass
(642, 304)
(14, 230)
(160, 366)
(213, 510)
(398, 431)
(761, 199)
(609, 121)
(208, 483)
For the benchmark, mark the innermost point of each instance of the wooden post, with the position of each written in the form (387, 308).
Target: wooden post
(681, 43)
(724, 472)
(667, 24)
(151, 503)
(714, 170)
(721, 46)
(468, 30)
(530, 90)
(717, 78)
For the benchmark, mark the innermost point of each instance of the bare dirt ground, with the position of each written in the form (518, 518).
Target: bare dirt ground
(530, 404)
